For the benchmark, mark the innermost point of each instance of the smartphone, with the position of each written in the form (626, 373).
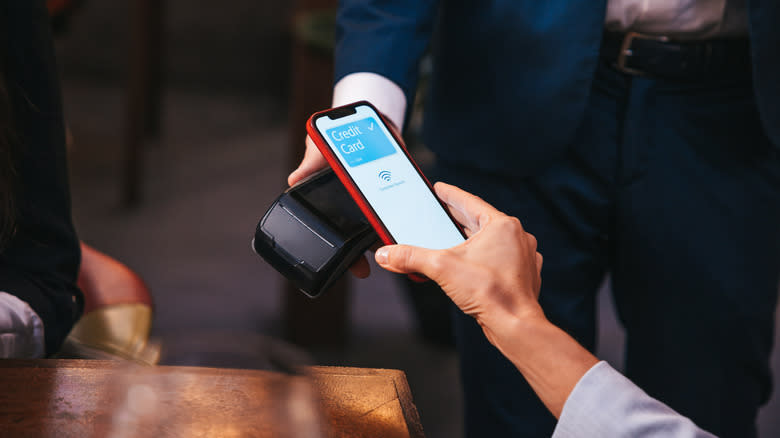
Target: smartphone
(380, 175)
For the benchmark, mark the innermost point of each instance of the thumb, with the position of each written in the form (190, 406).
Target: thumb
(311, 163)
(406, 259)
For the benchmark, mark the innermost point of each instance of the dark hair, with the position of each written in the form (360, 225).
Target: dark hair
(7, 168)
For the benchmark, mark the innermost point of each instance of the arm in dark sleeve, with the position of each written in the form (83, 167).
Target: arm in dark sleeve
(384, 37)
(40, 262)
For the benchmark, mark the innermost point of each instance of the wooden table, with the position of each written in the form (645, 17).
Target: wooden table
(88, 398)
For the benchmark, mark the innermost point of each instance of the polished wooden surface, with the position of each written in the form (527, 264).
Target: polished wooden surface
(80, 398)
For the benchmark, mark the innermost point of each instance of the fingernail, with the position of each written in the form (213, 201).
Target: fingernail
(381, 255)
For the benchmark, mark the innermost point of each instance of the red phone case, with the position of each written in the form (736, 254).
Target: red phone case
(350, 185)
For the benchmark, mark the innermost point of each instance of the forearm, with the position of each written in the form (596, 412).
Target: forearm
(598, 400)
(550, 360)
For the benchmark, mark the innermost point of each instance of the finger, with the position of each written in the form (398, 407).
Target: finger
(361, 268)
(405, 259)
(539, 262)
(311, 163)
(469, 210)
(532, 241)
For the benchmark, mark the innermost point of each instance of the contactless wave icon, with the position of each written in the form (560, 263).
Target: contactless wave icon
(385, 175)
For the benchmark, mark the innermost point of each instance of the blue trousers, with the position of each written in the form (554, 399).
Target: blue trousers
(674, 189)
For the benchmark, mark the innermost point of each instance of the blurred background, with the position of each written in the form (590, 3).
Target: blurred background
(186, 117)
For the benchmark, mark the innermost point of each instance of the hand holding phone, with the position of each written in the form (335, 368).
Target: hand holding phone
(312, 162)
(370, 160)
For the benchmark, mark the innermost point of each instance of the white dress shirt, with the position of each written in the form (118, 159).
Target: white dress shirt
(21, 329)
(678, 18)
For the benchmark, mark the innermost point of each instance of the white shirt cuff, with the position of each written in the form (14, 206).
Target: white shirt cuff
(21, 329)
(383, 93)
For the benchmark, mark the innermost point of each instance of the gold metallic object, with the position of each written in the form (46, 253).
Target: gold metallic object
(118, 331)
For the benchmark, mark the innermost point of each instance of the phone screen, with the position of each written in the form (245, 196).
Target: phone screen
(388, 180)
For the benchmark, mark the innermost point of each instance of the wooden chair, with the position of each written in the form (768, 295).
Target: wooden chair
(117, 316)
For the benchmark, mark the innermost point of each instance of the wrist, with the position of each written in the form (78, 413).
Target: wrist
(521, 334)
(513, 334)
(550, 360)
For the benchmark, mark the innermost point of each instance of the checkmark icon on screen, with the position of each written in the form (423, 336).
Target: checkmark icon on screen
(360, 142)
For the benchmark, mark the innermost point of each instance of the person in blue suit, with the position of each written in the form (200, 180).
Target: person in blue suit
(633, 138)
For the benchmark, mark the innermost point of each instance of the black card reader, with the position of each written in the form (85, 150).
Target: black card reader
(313, 232)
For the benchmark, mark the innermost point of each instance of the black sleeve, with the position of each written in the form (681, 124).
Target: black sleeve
(41, 260)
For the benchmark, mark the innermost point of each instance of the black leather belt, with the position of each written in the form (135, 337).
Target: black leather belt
(662, 57)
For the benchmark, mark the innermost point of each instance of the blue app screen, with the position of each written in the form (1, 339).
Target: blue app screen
(361, 142)
(387, 179)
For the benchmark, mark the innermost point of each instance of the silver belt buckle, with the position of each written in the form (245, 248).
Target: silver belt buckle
(626, 52)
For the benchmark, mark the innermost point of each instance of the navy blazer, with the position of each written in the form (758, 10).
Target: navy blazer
(511, 77)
